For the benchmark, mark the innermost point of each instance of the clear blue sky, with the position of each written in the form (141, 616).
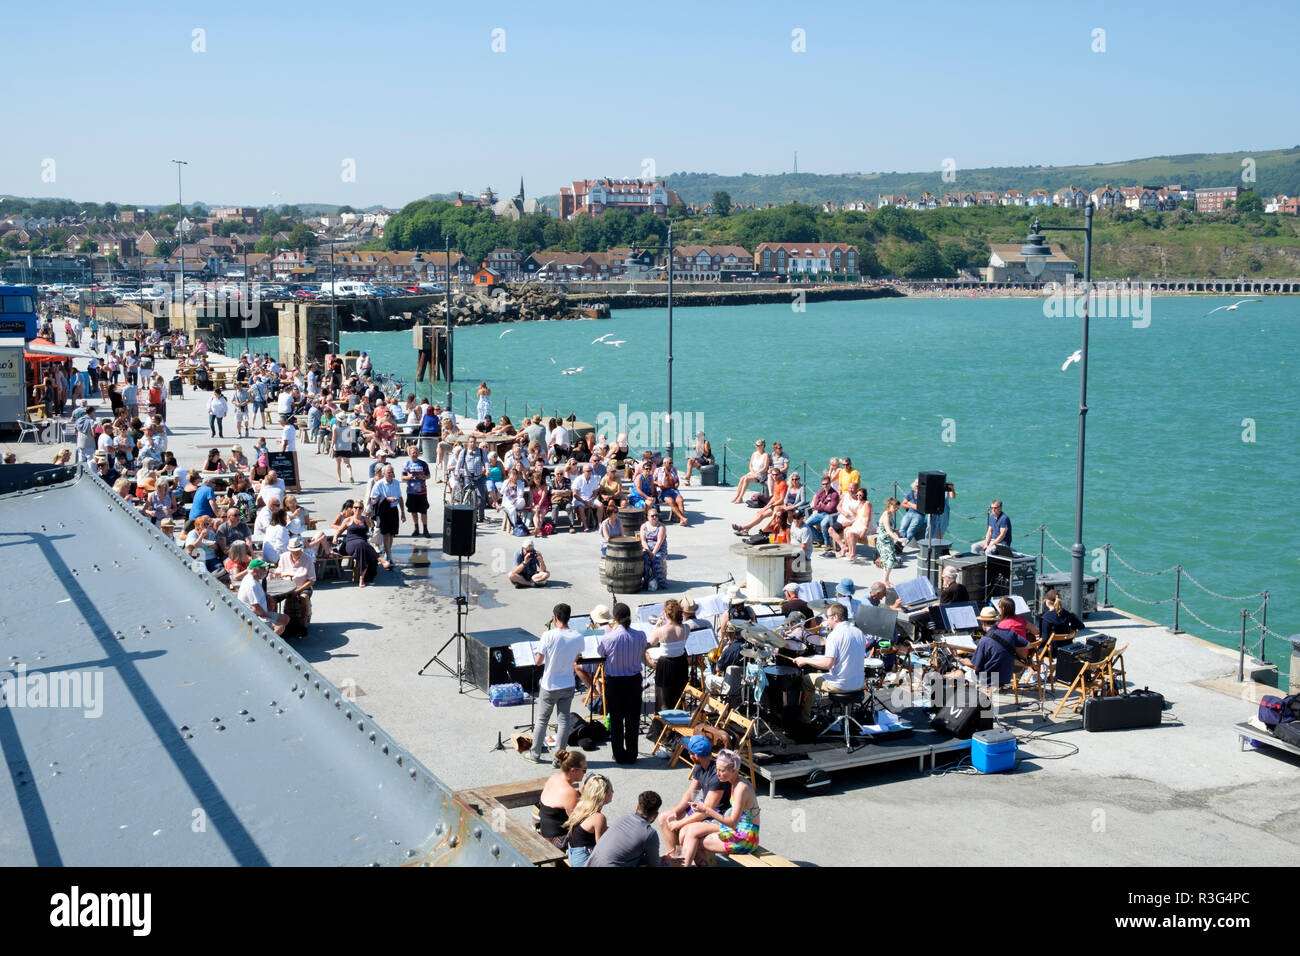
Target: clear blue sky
(413, 92)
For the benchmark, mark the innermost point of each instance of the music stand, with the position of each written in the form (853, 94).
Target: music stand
(462, 603)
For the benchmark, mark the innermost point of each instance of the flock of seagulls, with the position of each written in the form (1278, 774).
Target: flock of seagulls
(578, 369)
(1233, 307)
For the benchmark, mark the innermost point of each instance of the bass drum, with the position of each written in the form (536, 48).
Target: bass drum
(780, 700)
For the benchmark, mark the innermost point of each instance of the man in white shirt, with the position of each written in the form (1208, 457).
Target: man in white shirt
(585, 502)
(284, 403)
(253, 595)
(843, 659)
(272, 487)
(289, 437)
(559, 650)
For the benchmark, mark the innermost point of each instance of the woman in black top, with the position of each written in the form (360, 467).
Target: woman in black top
(1056, 621)
(559, 796)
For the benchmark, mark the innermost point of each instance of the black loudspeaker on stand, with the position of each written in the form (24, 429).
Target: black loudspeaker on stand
(931, 488)
(459, 533)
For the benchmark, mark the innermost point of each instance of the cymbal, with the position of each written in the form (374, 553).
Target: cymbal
(752, 654)
(760, 635)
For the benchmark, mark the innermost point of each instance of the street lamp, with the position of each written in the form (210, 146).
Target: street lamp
(417, 263)
(668, 247)
(446, 293)
(1035, 253)
(180, 232)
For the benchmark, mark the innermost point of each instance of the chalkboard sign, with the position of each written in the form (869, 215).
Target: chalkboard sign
(285, 465)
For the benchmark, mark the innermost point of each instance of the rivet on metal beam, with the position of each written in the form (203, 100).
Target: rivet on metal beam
(494, 850)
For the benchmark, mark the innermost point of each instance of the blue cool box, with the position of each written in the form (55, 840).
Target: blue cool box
(993, 751)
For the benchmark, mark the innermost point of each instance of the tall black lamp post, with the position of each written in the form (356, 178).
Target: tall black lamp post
(1035, 253)
(665, 247)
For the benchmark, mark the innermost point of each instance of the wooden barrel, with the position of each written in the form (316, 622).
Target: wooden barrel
(622, 570)
(632, 519)
(797, 569)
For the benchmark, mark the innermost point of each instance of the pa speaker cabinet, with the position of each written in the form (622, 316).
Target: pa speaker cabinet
(488, 658)
(458, 530)
(1061, 584)
(929, 492)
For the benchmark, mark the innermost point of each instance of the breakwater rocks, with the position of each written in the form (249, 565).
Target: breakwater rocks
(510, 303)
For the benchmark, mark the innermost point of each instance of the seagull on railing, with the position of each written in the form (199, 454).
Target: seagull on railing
(1231, 308)
(1076, 357)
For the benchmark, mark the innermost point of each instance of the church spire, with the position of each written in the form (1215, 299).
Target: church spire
(521, 187)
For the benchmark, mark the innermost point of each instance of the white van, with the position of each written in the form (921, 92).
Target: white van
(347, 289)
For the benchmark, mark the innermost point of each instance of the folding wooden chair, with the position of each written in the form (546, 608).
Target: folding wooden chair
(708, 710)
(742, 727)
(1093, 676)
(1037, 665)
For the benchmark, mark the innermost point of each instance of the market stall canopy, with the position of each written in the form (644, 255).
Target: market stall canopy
(43, 350)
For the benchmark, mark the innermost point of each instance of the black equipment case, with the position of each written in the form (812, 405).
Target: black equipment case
(1141, 708)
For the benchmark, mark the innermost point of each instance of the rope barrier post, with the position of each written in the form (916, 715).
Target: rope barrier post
(896, 490)
(725, 480)
(1263, 630)
(1105, 600)
(1178, 581)
(1042, 529)
(1241, 653)
(803, 469)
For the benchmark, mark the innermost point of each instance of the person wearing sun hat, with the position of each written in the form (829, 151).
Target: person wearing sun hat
(844, 592)
(298, 564)
(601, 620)
(995, 655)
(253, 594)
(703, 786)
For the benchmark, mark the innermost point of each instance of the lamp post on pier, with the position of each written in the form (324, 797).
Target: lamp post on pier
(1035, 252)
(635, 252)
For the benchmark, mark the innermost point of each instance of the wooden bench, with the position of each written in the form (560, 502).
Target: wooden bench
(760, 857)
(492, 802)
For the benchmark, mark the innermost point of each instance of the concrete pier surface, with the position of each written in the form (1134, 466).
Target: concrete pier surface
(1181, 794)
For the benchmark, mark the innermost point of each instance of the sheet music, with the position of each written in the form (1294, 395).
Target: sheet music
(591, 642)
(916, 591)
(811, 591)
(886, 722)
(961, 641)
(526, 653)
(1021, 606)
(701, 642)
(580, 623)
(646, 611)
(711, 606)
(961, 617)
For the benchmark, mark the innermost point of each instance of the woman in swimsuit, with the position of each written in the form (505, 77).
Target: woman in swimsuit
(759, 462)
(734, 832)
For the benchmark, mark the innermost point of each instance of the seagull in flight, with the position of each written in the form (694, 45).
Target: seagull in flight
(553, 362)
(602, 338)
(504, 334)
(1231, 308)
(1076, 357)
(617, 342)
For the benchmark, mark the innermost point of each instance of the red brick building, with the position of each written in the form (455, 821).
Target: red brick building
(591, 197)
(1215, 198)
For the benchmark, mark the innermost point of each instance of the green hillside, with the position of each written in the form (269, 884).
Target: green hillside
(1276, 171)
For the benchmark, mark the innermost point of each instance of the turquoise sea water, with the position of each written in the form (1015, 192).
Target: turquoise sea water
(974, 388)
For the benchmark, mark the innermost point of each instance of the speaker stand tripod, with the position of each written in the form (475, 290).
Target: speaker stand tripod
(459, 637)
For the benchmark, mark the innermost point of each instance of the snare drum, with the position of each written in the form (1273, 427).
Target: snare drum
(874, 669)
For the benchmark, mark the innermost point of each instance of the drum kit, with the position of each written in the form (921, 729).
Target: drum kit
(771, 683)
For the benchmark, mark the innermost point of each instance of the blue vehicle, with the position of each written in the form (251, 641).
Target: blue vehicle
(18, 311)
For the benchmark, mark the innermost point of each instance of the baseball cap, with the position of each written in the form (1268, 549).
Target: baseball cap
(698, 745)
(790, 586)
(258, 563)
